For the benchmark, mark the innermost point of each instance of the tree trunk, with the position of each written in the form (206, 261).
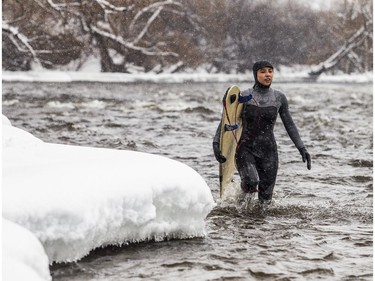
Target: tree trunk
(106, 62)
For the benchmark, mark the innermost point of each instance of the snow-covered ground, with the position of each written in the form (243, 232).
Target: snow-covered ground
(23, 255)
(283, 74)
(90, 72)
(75, 199)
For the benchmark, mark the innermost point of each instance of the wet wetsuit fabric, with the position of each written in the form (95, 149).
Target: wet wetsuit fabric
(257, 157)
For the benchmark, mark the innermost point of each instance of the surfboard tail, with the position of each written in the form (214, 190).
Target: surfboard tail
(230, 132)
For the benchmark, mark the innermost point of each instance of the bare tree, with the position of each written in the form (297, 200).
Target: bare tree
(347, 51)
(355, 32)
(284, 32)
(29, 35)
(142, 33)
(169, 35)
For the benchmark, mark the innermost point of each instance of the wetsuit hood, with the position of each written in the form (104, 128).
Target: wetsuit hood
(259, 65)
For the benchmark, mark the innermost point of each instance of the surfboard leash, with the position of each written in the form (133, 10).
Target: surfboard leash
(230, 127)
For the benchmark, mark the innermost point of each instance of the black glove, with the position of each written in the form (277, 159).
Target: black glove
(219, 157)
(305, 157)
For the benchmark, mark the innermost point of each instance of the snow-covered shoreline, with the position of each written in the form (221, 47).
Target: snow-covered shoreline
(75, 199)
(23, 255)
(285, 75)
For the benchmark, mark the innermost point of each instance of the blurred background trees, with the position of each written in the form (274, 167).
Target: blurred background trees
(176, 35)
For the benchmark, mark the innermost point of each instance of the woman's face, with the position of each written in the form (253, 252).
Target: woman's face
(265, 76)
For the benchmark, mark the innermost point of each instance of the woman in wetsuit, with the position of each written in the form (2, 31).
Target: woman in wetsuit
(257, 157)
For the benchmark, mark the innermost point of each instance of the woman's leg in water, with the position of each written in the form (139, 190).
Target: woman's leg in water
(246, 166)
(267, 171)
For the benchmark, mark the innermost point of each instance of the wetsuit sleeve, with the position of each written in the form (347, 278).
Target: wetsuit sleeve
(289, 123)
(217, 134)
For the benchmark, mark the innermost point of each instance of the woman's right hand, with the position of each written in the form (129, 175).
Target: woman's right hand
(219, 157)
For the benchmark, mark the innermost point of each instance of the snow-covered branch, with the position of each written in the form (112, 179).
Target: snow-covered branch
(106, 5)
(130, 45)
(22, 38)
(109, 8)
(149, 22)
(150, 8)
(59, 6)
(355, 59)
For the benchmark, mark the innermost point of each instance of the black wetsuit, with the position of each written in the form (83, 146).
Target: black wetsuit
(257, 157)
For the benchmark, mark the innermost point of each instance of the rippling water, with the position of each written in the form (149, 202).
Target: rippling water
(320, 225)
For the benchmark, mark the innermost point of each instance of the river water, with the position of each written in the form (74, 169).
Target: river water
(320, 225)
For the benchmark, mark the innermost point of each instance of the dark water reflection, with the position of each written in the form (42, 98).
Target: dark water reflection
(320, 225)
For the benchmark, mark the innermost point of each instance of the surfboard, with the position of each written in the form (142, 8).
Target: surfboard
(230, 133)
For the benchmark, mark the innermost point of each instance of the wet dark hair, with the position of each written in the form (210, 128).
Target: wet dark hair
(259, 65)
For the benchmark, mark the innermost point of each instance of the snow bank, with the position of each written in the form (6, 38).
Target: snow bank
(75, 199)
(66, 76)
(346, 78)
(23, 255)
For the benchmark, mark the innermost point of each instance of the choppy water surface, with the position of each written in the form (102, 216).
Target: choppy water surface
(320, 225)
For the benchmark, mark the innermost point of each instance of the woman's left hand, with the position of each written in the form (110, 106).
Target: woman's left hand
(305, 157)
